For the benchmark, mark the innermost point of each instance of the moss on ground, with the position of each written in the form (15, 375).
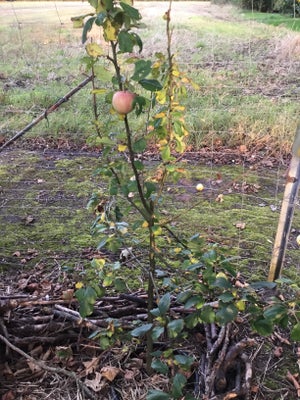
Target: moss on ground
(44, 208)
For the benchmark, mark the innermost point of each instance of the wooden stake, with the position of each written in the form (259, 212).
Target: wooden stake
(287, 211)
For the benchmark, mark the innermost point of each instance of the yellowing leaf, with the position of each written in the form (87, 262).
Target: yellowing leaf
(177, 250)
(68, 294)
(94, 50)
(221, 275)
(179, 108)
(160, 115)
(175, 72)
(157, 230)
(145, 224)
(99, 7)
(123, 230)
(162, 142)
(99, 91)
(77, 23)
(99, 262)
(161, 96)
(122, 147)
(79, 285)
(240, 304)
(110, 32)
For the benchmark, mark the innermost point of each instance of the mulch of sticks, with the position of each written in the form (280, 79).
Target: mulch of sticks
(48, 351)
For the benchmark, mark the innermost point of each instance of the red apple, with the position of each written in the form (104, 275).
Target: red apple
(122, 101)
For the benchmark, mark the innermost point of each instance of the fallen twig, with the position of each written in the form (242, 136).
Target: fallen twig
(294, 381)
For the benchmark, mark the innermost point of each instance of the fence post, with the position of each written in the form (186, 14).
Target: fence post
(287, 211)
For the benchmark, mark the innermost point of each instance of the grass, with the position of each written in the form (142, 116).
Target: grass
(279, 20)
(247, 89)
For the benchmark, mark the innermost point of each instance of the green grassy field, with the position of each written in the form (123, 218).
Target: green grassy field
(279, 20)
(247, 72)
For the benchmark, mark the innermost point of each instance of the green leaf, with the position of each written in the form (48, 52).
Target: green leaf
(150, 84)
(208, 315)
(226, 313)
(108, 4)
(222, 283)
(166, 153)
(155, 312)
(150, 188)
(184, 361)
(102, 73)
(275, 312)
(164, 304)
(175, 327)
(295, 334)
(100, 18)
(132, 12)
(263, 326)
(138, 41)
(139, 145)
(142, 68)
(87, 27)
(139, 103)
(86, 298)
(226, 297)
(157, 332)
(141, 330)
(120, 285)
(193, 319)
(184, 296)
(139, 165)
(126, 42)
(160, 367)
(179, 381)
(157, 395)
(263, 285)
(196, 301)
(194, 267)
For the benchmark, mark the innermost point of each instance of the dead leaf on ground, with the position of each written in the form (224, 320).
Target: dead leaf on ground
(240, 225)
(10, 395)
(95, 384)
(131, 374)
(33, 366)
(90, 366)
(278, 351)
(110, 372)
(220, 198)
(29, 220)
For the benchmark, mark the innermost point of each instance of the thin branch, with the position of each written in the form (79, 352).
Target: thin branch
(45, 114)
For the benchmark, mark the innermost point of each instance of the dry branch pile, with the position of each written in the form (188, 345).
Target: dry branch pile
(42, 340)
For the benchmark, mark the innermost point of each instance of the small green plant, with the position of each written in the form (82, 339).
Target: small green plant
(144, 99)
(154, 90)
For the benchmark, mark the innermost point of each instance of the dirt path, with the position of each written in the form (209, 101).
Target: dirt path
(31, 11)
(185, 9)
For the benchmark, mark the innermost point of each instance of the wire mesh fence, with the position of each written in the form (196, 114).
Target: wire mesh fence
(44, 190)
